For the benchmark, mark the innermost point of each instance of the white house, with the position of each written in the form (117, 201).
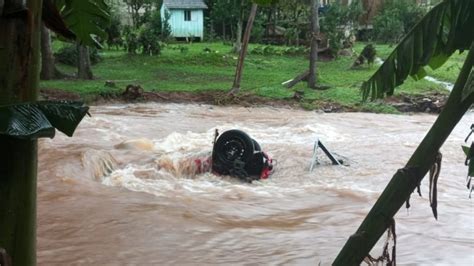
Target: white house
(186, 17)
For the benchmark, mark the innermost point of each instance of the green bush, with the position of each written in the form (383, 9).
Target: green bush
(338, 24)
(395, 20)
(258, 30)
(149, 37)
(68, 55)
(149, 40)
(166, 28)
(114, 31)
(131, 40)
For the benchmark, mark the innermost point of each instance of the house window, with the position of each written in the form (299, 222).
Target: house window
(187, 15)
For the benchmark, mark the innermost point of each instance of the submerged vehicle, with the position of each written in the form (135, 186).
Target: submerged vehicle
(238, 155)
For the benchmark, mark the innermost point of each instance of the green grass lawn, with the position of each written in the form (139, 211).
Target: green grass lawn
(187, 67)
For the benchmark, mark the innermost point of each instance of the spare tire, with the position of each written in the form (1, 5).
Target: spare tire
(231, 146)
(256, 146)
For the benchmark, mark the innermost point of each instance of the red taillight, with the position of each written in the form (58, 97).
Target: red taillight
(268, 166)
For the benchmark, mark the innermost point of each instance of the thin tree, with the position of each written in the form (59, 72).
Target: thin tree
(240, 22)
(310, 75)
(243, 51)
(444, 30)
(48, 67)
(134, 7)
(84, 69)
(313, 57)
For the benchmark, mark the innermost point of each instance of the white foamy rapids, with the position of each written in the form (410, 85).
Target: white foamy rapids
(189, 141)
(98, 163)
(162, 182)
(141, 197)
(305, 134)
(378, 61)
(447, 85)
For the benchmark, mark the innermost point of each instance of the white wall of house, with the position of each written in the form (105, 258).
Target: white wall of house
(184, 26)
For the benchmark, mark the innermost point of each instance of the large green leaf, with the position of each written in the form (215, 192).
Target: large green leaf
(469, 88)
(40, 119)
(87, 19)
(465, 149)
(470, 159)
(443, 30)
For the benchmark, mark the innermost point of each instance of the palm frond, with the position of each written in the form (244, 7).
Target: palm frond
(446, 28)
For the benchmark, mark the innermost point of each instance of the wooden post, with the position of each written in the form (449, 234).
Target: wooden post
(240, 64)
(19, 54)
(405, 181)
(314, 43)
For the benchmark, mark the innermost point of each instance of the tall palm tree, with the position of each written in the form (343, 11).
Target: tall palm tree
(445, 29)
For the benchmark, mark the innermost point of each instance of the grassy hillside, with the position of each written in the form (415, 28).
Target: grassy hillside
(208, 67)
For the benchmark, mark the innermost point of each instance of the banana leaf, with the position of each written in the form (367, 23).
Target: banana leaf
(41, 119)
(87, 19)
(445, 29)
(469, 88)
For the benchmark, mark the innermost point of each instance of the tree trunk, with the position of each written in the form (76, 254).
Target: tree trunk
(243, 51)
(240, 23)
(223, 31)
(314, 44)
(136, 17)
(48, 69)
(404, 182)
(20, 47)
(84, 70)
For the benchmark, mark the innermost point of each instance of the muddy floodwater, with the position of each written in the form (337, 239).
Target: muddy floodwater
(103, 197)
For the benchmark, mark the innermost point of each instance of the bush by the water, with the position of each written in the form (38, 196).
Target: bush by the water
(396, 19)
(68, 55)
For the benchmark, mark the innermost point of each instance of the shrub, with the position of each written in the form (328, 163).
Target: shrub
(150, 35)
(396, 19)
(258, 30)
(338, 22)
(68, 55)
(114, 35)
(131, 40)
(149, 40)
(368, 54)
(166, 28)
(293, 33)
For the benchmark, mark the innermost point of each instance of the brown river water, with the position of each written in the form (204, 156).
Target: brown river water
(103, 198)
